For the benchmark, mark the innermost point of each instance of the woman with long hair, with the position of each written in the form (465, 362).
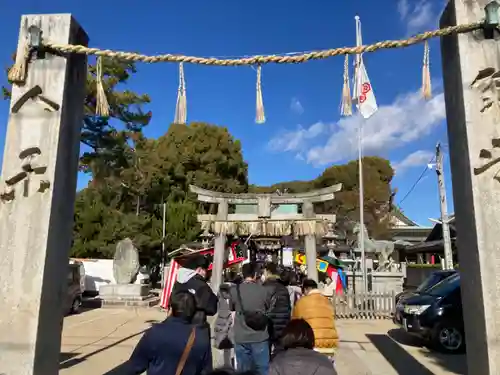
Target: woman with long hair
(297, 355)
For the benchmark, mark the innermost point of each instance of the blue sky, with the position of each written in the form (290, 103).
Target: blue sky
(304, 132)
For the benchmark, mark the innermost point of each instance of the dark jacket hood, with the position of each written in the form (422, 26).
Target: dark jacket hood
(185, 274)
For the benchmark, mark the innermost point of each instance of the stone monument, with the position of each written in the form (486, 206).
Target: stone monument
(37, 192)
(125, 262)
(382, 249)
(125, 269)
(471, 93)
(384, 278)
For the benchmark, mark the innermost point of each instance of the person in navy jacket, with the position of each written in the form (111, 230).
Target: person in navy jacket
(160, 349)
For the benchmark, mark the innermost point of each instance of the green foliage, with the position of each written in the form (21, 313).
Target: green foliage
(128, 201)
(98, 227)
(181, 225)
(377, 175)
(109, 139)
(204, 155)
(290, 187)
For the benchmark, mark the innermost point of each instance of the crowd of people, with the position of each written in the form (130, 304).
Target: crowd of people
(274, 325)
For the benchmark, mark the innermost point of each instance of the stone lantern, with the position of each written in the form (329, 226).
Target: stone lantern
(206, 238)
(329, 239)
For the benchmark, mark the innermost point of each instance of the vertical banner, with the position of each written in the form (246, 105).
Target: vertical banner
(169, 283)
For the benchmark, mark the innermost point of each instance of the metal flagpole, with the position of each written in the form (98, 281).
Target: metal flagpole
(164, 227)
(359, 42)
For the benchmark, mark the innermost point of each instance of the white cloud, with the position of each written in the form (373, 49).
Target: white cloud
(415, 159)
(406, 120)
(296, 140)
(296, 106)
(403, 8)
(420, 15)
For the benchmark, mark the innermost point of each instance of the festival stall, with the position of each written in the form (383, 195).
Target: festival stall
(236, 255)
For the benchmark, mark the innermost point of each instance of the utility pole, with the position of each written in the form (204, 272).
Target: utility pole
(448, 255)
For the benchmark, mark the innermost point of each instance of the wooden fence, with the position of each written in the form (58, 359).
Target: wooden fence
(364, 305)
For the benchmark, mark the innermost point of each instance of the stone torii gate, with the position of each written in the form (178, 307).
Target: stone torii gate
(265, 221)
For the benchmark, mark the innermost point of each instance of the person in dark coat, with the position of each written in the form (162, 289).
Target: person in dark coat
(191, 277)
(297, 355)
(160, 349)
(251, 336)
(279, 304)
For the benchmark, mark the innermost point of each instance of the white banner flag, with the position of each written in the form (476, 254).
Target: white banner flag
(363, 90)
(364, 96)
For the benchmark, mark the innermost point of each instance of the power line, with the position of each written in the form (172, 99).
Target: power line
(417, 181)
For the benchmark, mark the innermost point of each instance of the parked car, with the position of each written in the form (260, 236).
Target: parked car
(435, 315)
(81, 269)
(428, 283)
(73, 299)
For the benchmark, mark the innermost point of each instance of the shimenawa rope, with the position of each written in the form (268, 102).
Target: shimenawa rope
(266, 59)
(17, 74)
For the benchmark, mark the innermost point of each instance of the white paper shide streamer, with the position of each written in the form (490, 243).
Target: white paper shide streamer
(346, 103)
(426, 74)
(181, 106)
(260, 116)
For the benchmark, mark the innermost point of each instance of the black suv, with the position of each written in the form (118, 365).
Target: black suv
(428, 283)
(435, 315)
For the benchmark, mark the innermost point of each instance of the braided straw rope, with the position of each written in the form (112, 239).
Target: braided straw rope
(265, 59)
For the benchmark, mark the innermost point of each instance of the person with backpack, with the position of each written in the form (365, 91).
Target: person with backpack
(249, 300)
(191, 277)
(175, 346)
(280, 308)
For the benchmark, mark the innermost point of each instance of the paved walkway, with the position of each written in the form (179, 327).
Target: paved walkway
(100, 341)
(378, 347)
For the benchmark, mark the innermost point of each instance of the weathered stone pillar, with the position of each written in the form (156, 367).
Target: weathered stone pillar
(37, 194)
(219, 248)
(310, 243)
(470, 66)
(219, 357)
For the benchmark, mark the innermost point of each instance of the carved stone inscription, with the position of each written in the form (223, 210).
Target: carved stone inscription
(487, 82)
(35, 94)
(30, 176)
(491, 157)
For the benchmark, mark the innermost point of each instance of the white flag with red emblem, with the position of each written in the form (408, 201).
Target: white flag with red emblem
(363, 94)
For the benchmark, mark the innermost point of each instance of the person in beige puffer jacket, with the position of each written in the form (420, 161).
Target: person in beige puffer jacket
(318, 311)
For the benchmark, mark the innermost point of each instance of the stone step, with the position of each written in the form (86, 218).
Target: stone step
(150, 301)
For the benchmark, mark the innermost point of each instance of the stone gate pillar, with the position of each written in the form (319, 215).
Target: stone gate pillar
(37, 196)
(471, 74)
(219, 248)
(310, 243)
